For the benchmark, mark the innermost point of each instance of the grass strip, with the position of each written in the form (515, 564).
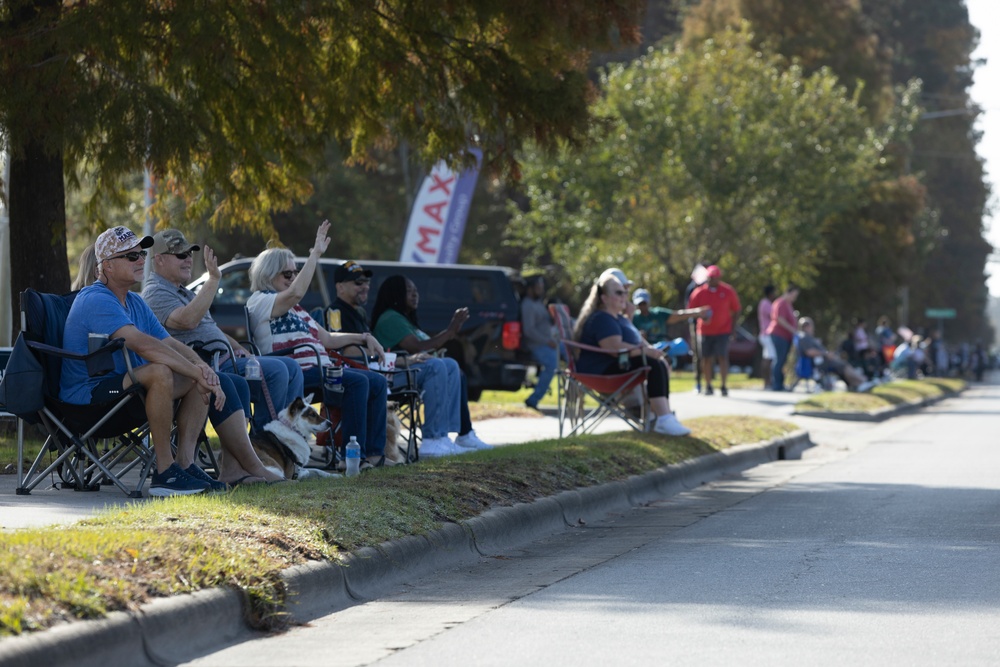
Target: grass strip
(897, 392)
(244, 539)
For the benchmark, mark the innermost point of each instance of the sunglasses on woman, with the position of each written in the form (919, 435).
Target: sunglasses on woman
(289, 275)
(131, 256)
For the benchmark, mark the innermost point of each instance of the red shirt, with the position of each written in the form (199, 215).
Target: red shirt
(723, 301)
(784, 309)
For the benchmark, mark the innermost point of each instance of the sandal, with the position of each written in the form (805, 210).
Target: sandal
(247, 480)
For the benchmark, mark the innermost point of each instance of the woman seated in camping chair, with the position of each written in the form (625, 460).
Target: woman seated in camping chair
(280, 323)
(601, 324)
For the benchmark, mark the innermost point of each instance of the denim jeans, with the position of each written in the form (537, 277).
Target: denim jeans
(548, 360)
(440, 382)
(283, 377)
(781, 348)
(362, 409)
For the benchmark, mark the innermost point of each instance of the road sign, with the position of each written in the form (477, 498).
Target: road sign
(940, 313)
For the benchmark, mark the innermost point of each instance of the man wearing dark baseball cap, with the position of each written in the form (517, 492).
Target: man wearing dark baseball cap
(347, 313)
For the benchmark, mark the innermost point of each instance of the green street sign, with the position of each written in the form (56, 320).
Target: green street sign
(940, 313)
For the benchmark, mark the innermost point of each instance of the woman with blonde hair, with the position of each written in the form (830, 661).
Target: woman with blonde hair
(86, 274)
(601, 324)
(279, 323)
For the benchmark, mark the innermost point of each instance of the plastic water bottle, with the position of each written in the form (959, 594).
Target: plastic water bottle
(353, 451)
(252, 370)
(333, 378)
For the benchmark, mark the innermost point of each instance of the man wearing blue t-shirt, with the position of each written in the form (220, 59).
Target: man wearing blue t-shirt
(166, 368)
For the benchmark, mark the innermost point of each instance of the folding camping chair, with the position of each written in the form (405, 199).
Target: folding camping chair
(816, 379)
(406, 395)
(74, 433)
(611, 393)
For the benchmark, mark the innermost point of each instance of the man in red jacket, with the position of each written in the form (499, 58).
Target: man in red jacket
(714, 329)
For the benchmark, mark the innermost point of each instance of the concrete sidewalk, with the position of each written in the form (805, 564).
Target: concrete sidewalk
(47, 505)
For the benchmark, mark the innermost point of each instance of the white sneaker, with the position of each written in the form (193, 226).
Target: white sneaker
(470, 442)
(668, 425)
(437, 447)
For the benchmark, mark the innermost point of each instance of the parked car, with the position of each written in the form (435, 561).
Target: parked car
(487, 348)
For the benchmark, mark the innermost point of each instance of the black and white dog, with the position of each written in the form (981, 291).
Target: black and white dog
(288, 443)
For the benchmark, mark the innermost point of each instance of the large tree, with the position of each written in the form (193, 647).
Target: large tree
(720, 152)
(231, 104)
(932, 195)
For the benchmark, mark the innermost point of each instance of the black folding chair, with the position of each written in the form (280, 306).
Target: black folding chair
(93, 444)
(406, 396)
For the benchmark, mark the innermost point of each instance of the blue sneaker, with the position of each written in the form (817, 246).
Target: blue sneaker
(194, 470)
(175, 482)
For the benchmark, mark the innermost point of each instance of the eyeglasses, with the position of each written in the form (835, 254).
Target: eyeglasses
(618, 292)
(181, 255)
(130, 256)
(361, 282)
(289, 275)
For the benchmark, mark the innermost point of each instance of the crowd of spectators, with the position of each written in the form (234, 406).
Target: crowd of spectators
(180, 353)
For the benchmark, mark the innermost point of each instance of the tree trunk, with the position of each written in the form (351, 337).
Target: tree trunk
(37, 225)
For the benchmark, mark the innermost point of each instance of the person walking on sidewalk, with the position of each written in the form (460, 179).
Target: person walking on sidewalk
(764, 307)
(782, 332)
(716, 327)
(536, 333)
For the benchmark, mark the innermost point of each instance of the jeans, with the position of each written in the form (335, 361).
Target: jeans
(781, 348)
(441, 383)
(362, 409)
(283, 377)
(548, 360)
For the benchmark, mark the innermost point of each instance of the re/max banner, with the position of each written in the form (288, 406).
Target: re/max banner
(437, 221)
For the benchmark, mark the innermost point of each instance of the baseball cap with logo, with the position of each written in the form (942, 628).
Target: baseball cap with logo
(350, 271)
(116, 241)
(172, 242)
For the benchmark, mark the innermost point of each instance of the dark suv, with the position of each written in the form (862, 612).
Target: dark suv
(488, 347)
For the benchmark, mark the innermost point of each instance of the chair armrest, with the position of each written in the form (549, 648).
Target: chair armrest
(212, 356)
(99, 362)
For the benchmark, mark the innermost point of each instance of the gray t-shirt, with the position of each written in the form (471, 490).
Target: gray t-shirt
(164, 297)
(536, 324)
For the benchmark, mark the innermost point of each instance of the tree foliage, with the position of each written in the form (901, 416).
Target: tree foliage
(722, 153)
(884, 44)
(232, 104)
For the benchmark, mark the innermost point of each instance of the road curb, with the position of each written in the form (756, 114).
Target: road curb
(172, 630)
(880, 414)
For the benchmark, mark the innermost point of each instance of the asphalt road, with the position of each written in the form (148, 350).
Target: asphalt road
(881, 546)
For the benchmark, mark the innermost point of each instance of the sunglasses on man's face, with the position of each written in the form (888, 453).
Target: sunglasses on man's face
(181, 255)
(361, 282)
(131, 256)
(289, 275)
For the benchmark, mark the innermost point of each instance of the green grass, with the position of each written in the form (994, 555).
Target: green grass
(245, 538)
(898, 392)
